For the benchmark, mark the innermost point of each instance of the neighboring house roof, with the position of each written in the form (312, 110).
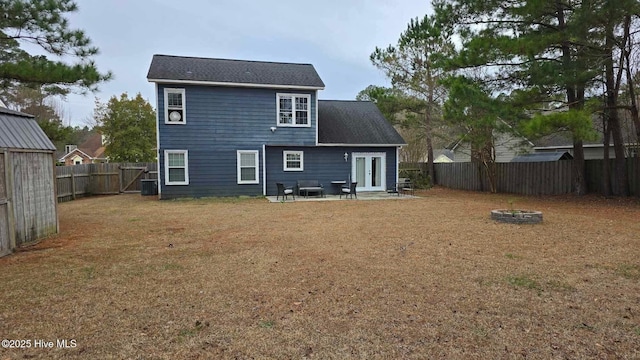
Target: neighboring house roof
(225, 72)
(354, 123)
(21, 131)
(443, 156)
(92, 148)
(543, 156)
(75, 151)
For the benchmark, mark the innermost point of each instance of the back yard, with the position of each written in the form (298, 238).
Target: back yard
(433, 277)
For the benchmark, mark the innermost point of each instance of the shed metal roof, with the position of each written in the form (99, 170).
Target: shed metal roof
(354, 123)
(21, 131)
(168, 68)
(543, 156)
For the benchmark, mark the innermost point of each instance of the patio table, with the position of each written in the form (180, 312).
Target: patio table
(338, 185)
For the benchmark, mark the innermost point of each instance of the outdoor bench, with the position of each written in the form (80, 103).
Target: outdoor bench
(309, 186)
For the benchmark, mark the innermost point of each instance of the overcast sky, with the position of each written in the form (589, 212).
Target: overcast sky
(336, 36)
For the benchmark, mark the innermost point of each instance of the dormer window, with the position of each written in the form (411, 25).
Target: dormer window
(294, 110)
(175, 112)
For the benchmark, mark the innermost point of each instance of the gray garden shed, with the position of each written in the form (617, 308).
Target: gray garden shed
(28, 208)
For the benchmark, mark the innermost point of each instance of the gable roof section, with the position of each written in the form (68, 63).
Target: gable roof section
(543, 156)
(21, 131)
(354, 123)
(75, 151)
(91, 148)
(225, 72)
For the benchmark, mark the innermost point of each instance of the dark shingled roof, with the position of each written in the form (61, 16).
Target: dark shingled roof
(177, 68)
(543, 156)
(354, 123)
(21, 131)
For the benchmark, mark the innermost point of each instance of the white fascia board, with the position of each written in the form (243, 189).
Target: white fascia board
(231, 84)
(73, 151)
(360, 145)
(571, 146)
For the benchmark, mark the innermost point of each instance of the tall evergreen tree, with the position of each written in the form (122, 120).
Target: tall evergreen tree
(43, 23)
(413, 67)
(559, 52)
(534, 46)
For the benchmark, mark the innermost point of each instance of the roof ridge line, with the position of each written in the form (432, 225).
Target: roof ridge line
(236, 60)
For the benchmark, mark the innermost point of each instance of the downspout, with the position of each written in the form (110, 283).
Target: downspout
(397, 164)
(264, 170)
(158, 143)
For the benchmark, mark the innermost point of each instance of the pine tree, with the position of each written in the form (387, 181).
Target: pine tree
(43, 23)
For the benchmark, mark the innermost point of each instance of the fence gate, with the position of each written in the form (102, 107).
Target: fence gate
(5, 240)
(130, 177)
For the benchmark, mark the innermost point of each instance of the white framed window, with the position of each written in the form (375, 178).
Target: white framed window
(293, 160)
(176, 167)
(294, 110)
(248, 166)
(175, 111)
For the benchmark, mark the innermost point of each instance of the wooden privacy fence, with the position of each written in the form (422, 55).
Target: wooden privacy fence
(532, 178)
(102, 179)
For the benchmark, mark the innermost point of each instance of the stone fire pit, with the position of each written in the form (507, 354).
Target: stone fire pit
(516, 216)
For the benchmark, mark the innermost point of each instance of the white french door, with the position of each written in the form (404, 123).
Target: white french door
(368, 169)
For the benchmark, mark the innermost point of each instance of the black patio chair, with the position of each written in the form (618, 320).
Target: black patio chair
(349, 190)
(406, 187)
(284, 191)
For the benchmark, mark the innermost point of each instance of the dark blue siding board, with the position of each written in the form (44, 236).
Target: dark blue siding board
(220, 121)
(324, 164)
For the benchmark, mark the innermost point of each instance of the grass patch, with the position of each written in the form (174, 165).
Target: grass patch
(267, 324)
(560, 286)
(628, 271)
(193, 331)
(88, 272)
(523, 281)
(171, 266)
(512, 256)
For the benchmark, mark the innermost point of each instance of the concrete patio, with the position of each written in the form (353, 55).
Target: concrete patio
(371, 195)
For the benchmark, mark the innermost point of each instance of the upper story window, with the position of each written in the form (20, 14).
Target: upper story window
(174, 110)
(293, 160)
(294, 110)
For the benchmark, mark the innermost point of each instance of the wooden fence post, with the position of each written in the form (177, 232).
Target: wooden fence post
(73, 183)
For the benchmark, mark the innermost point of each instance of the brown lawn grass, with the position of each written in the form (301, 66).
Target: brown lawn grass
(425, 278)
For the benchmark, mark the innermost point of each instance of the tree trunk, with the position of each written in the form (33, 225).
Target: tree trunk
(430, 165)
(574, 102)
(620, 168)
(606, 172)
(579, 179)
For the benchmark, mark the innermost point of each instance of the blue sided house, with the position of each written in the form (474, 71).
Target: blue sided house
(234, 127)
